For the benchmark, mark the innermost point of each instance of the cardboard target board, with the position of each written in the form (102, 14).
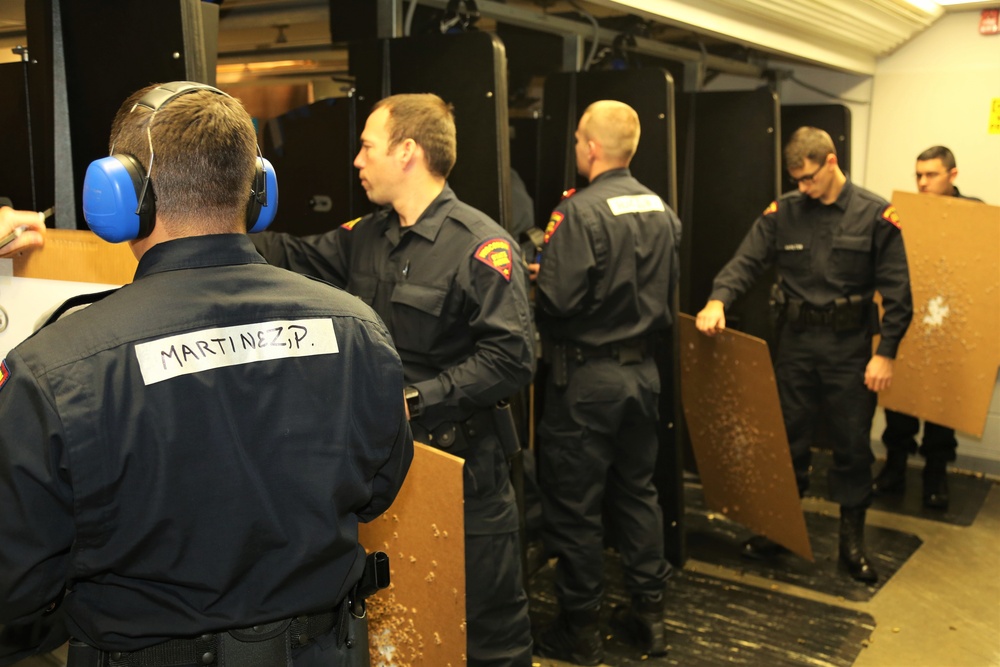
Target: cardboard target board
(420, 618)
(738, 436)
(946, 366)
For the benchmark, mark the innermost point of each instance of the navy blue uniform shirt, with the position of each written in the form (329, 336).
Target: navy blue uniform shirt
(194, 452)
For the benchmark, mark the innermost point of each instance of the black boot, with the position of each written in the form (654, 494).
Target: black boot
(574, 636)
(641, 624)
(759, 547)
(891, 479)
(936, 484)
(852, 545)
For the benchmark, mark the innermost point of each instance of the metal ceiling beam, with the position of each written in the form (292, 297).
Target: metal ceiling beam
(557, 25)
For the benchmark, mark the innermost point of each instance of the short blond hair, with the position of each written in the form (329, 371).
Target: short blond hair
(614, 125)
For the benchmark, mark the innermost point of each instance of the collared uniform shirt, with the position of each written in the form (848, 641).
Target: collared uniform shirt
(451, 289)
(824, 252)
(194, 452)
(609, 264)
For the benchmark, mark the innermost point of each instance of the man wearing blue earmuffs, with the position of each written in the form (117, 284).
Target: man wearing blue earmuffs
(185, 461)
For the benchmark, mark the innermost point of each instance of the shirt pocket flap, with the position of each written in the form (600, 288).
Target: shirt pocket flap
(855, 243)
(424, 298)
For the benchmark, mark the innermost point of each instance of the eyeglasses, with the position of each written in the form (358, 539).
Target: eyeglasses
(808, 178)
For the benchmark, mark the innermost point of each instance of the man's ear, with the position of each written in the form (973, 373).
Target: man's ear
(407, 150)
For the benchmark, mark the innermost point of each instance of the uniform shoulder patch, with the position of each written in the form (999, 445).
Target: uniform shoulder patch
(890, 216)
(349, 225)
(553, 225)
(568, 193)
(497, 255)
(772, 208)
(4, 373)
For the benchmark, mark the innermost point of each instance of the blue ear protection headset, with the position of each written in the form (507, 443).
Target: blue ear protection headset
(119, 202)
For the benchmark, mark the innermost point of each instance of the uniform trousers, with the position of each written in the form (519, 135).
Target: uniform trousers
(938, 441)
(819, 370)
(498, 627)
(597, 437)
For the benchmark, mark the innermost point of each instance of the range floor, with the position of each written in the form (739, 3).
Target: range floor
(941, 608)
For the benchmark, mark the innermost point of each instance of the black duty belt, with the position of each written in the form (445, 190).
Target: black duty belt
(633, 351)
(850, 313)
(252, 646)
(816, 316)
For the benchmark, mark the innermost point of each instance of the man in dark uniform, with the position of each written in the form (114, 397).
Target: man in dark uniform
(834, 244)
(450, 285)
(604, 287)
(184, 463)
(936, 172)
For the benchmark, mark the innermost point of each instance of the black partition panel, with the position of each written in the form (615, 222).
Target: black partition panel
(650, 92)
(733, 157)
(16, 183)
(312, 149)
(834, 118)
(135, 44)
(468, 70)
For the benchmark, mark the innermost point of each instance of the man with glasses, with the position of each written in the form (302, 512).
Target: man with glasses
(834, 244)
(936, 172)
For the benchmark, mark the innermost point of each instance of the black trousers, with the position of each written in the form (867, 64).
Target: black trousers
(496, 605)
(820, 370)
(900, 433)
(597, 440)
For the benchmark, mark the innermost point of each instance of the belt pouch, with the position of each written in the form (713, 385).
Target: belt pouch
(266, 644)
(81, 654)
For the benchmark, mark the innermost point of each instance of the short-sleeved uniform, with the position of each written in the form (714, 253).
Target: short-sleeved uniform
(938, 442)
(194, 452)
(607, 273)
(452, 290)
(851, 247)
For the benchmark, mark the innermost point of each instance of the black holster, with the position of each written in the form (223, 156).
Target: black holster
(559, 365)
(777, 304)
(503, 421)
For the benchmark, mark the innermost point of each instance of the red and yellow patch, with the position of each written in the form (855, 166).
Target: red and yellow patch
(4, 373)
(349, 225)
(890, 215)
(553, 225)
(496, 254)
(773, 208)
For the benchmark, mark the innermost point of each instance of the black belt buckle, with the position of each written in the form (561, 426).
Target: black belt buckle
(629, 354)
